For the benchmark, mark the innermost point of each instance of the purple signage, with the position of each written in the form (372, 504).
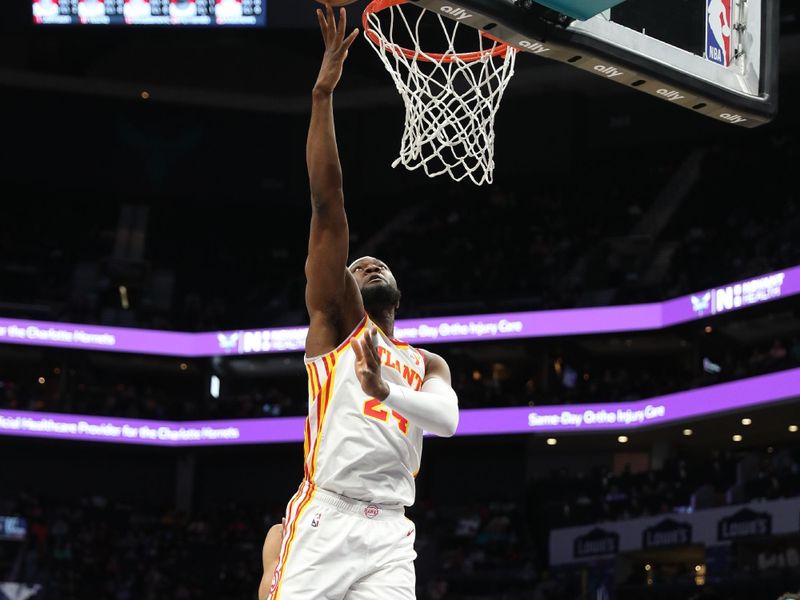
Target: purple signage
(576, 321)
(681, 406)
(585, 418)
(731, 297)
(94, 337)
(151, 433)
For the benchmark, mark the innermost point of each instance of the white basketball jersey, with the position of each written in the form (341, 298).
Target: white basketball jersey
(355, 446)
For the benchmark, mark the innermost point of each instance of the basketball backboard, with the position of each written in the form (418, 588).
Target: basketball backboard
(715, 57)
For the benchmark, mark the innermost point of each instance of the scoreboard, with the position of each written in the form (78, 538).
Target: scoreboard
(150, 12)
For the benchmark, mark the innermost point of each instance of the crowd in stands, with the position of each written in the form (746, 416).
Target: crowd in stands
(96, 548)
(516, 247)
(778, 477)
(574, 378)
(149, 400)
(571, 377)
(596, 495)
(109, 549)
(745, 242)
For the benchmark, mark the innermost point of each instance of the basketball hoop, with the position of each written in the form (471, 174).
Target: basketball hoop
(451, 98)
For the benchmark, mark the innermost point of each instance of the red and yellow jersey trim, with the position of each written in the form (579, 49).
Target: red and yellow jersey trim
(344, 345)
(321, 386)
(294, 512)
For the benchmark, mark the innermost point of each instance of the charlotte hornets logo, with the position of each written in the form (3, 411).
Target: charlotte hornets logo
(228, 342)
(700, 304)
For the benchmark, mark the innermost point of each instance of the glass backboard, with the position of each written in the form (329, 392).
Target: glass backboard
(715, 57)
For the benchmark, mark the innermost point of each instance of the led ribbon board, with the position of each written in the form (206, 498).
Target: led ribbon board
(581, 418)
(149, 13)
(468, 328)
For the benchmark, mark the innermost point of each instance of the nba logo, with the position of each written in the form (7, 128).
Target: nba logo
(718, 31)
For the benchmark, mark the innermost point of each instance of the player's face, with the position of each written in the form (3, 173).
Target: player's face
(371, 272)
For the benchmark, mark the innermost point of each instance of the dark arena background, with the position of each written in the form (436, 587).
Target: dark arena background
(620, 310)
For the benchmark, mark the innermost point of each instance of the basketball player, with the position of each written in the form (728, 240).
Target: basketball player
(370, 397)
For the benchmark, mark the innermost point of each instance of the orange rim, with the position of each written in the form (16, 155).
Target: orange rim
(377, 6)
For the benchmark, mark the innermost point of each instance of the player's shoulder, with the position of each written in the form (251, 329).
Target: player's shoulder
(431, 358)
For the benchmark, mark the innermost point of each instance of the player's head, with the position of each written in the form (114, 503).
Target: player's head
(376, 282)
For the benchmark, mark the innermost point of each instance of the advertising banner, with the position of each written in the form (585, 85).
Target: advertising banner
(437, 330)
(711, 527)
(585, 418)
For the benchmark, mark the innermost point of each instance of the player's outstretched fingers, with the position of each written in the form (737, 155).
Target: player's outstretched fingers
(373, 347)
(342, 27)
(323, 24)
(350, 39)
(358, 351)
(330, 18)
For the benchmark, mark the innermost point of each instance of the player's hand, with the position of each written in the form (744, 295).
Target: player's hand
(368, 366)
(336, 47)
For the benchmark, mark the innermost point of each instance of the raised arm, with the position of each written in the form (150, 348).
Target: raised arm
(332, 298)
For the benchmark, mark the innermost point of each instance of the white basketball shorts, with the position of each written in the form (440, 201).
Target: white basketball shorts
(337, 548)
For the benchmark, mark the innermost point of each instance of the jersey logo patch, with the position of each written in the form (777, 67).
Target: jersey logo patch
(275, 579)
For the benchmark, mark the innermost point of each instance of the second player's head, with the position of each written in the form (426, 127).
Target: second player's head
(377, 284)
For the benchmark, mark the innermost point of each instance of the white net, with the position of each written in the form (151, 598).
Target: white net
(450, 98)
